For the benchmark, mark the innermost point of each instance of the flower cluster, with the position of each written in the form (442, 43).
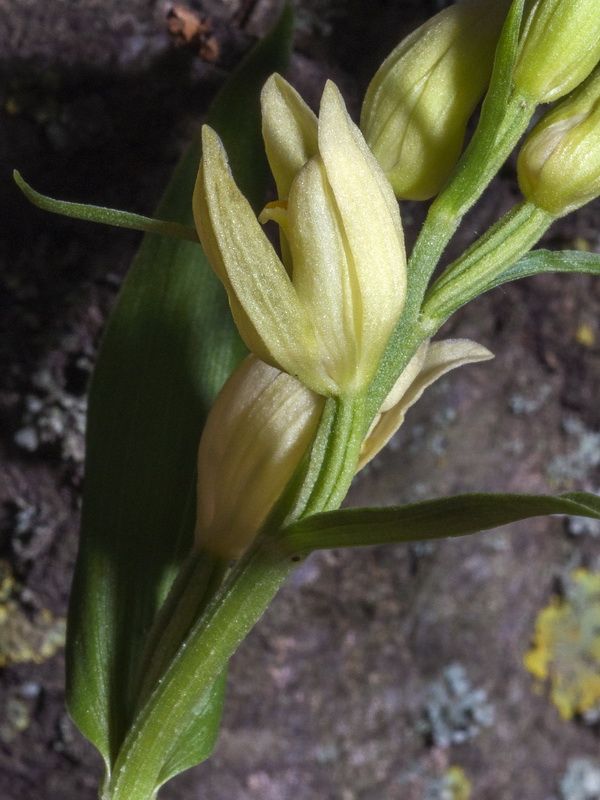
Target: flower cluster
(317, 319)
(318, 314)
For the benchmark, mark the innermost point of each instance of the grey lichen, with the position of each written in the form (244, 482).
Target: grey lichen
(576, 465)
(581, 780)
(16, 709)
(582, 526)
(454, 710)
(53, 416)
(521, 405)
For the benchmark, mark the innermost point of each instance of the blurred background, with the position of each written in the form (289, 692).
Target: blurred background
(393, 672)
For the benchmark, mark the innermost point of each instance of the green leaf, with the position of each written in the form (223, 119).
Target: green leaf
(168, 348)
(538, 262)
(106, 216)
(198, 741)
(458, 515)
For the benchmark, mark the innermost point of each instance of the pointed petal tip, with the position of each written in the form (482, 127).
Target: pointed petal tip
(332, 102)
(465, 349)
(210, 138)
(273, 83)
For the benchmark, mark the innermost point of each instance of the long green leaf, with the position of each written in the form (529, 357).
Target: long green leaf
(458, 515)
(106, 216)
(538, 262)
(168, 347)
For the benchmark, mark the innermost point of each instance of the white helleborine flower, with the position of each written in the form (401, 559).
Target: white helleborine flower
(429, 363)
(325, 316)
(257, 431)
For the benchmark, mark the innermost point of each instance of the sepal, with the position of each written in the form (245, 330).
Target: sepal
(430, 362)
(289, 130)
(256, 434)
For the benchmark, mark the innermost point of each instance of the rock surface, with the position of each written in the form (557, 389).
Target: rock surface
(327, 695)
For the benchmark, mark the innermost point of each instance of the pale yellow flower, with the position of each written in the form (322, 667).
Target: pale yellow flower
(327, 318)
(559, 164)
(418, 104)
(559, 47)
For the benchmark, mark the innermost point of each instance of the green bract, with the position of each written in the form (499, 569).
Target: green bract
(559, 164)
(328, 321)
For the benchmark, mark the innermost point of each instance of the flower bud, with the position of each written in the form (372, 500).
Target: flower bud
(559, 164)
(559, 47)
(429, 363)
(417, 106)
(327, 318)
(261, 424)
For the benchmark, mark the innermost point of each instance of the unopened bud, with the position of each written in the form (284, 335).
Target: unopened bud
(559, 47)
(559, 164)
(417, 106)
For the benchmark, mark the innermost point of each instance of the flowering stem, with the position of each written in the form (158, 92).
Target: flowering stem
(236, 606)
(480, 162)
(170, 708)
(482, 159)
(196, 582)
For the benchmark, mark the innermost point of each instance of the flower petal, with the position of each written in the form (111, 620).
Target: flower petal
(370, 224)
(289, 129)
(269, 316)
(321, 272)
(440, 358)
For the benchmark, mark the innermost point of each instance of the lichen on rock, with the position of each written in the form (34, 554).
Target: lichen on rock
(25, 637)
(566, 646)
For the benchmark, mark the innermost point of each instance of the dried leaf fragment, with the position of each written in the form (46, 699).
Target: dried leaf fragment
(194, 31)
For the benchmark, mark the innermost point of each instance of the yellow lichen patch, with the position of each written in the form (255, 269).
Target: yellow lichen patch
(579, 243)
(585, 335)
(456, 784)
(25, 637)
(567, 646)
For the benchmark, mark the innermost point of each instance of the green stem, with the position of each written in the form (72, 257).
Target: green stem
(484, 156)
(196, 583)
(475, 170)
(233, 611)
(470, 275)
(504, 117)
(168, 712)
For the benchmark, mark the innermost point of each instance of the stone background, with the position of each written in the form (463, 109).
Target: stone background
(328, 695)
